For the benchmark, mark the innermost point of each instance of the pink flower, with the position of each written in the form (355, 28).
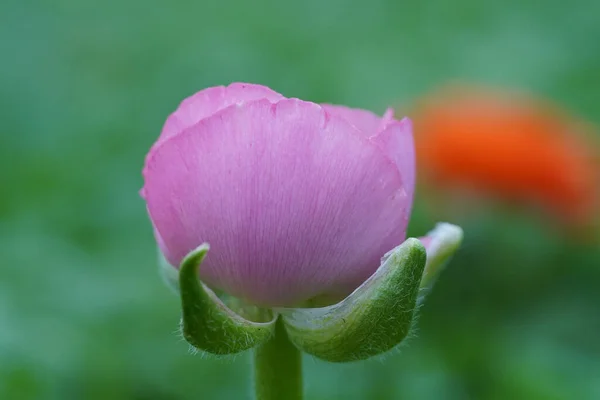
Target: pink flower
(297, 200)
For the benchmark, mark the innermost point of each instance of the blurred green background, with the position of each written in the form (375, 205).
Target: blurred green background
(85, 89)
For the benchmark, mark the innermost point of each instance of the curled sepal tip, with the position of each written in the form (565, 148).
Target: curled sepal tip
(207, 323)
(376, 317)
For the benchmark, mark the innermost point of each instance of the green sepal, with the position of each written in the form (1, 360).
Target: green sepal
(207, 323)
(445, 241)
(375, 318)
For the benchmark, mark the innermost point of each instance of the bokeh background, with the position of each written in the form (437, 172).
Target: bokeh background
(84, 90)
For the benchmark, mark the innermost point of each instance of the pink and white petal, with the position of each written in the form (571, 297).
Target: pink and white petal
(209, 101)
(365, 121)
(440, 244)
(388, 118)
(396, 142)
(295, 203)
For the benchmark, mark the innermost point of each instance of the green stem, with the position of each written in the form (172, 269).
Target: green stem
(278, 368)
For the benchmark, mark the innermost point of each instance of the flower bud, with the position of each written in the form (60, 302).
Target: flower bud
(299, 203)
(297, 200)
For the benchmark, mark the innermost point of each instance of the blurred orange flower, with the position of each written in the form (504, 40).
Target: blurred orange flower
(507, 146)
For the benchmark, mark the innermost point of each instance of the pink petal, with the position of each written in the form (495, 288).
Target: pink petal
(209, 101)
(294, 203)
(388, 118)
(426, 241)
(365, 121)
(396, 141)
(395, 138)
